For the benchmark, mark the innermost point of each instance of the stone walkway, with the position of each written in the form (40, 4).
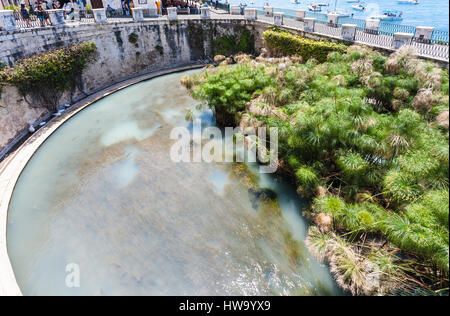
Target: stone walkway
(434, 51)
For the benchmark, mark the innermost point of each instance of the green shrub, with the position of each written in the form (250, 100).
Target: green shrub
(307, 177)
(133, 39)
(46, 76)
(349, 134)
(229, 89)
(290, 44)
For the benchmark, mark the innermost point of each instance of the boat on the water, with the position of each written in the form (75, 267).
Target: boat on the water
(389, 15)
(341, 12)
(408, 1)
(358, 7)
(323, 4)
(352, 1)
(314, 8)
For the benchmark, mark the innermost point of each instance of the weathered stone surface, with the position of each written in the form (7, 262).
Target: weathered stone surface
(15, 115)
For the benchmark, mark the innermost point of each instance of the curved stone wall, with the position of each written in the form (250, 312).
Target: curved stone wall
(160, 44)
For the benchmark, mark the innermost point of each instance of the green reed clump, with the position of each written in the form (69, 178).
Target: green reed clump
(228, 90)
(372, 130)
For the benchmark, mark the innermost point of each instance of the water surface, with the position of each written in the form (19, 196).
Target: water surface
(102, 193)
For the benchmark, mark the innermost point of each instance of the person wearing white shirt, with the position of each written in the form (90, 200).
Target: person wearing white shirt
(70, 11)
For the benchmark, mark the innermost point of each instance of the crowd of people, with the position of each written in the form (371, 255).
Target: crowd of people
(76, 9)
(72, 10)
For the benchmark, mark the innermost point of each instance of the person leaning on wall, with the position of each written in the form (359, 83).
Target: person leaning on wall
(25, 14)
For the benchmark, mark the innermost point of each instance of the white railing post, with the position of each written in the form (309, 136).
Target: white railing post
(348, 32)
(100, 16)
(250, 14)
(309, 24)
(152, 12)
(268, 11)
(205, 13)
(278, 18)
(300, 15)
(372, 26)
(401, 39)
(172, 14)
(332, 19)
(7, 20)
(423, 34)
(235, 10)
(56, 17)
(138, 14)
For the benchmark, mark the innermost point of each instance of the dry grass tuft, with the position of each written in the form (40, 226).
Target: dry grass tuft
(424, 100)
(324, 222)
(242, 58)
(442, 119)
(187, 82)
(219, 58)
(401, 93)
(403, 57)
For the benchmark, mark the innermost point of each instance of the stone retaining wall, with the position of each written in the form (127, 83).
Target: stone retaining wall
(160, 44)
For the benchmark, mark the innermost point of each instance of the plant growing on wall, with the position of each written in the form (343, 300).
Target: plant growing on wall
(133, 39)
(230, 44)
(46, 76)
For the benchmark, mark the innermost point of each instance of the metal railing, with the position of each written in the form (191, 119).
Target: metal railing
(118, 14)
(385, 28)
(436, 47)
(21, 23)
(439, 37)
(360, 24)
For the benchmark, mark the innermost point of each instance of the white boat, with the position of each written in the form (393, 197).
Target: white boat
(314, 8)
(358, 7)
(408, 1)
(389, 15)
(341, 12)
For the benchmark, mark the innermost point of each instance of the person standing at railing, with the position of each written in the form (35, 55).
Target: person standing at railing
(43, 16)
(82, 9)
(77, 9)
(70, 10)
(25, 14)
(31, 10)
